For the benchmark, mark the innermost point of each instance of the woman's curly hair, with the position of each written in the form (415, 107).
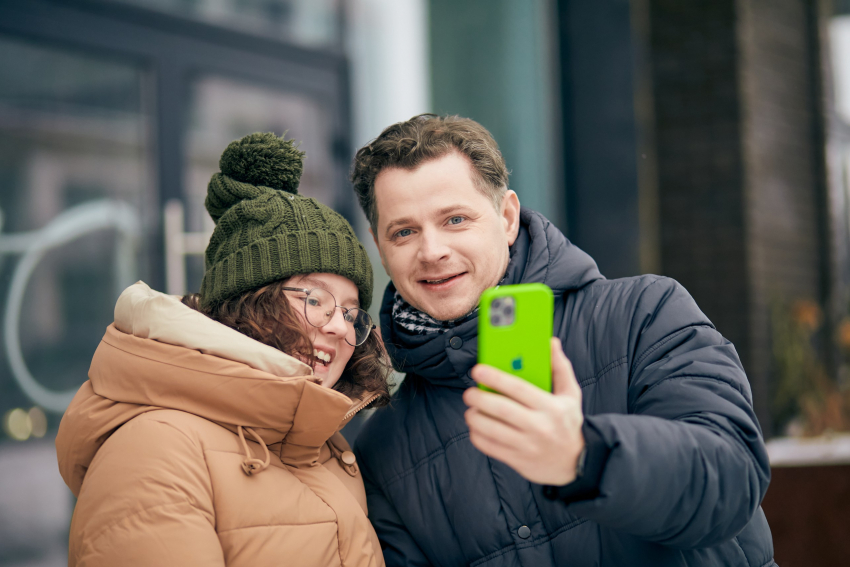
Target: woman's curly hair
(266, 315)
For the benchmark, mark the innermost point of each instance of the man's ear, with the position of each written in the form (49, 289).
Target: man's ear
(510, 215)
(380, 252)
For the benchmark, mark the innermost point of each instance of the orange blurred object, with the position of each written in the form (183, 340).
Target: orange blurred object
(844, 334)
(807, 314)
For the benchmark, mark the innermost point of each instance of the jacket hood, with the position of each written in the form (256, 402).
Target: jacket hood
(161, 354)
(540, 254)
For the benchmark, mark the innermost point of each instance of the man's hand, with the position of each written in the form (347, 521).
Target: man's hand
(536, 433)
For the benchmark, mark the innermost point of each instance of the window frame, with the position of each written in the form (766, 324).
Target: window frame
(174, 51)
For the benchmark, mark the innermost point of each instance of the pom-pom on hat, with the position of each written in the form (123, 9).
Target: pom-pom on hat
(265, 231)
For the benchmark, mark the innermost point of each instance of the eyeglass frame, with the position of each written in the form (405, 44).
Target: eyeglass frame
(345, 310)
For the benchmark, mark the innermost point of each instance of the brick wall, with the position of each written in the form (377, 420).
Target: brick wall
(782, 184)
(694, 57)
(738, 185)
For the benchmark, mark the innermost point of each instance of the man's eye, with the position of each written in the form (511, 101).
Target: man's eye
(456, 220)
(403, 232)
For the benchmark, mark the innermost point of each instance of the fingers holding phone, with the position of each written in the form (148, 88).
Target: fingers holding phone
(527, 410)
(536, 433)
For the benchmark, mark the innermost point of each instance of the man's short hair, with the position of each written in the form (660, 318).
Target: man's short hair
(409, 144)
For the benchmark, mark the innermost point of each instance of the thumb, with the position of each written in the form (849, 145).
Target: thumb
(564, 381)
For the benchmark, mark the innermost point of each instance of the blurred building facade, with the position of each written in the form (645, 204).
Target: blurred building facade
(697, 140)
(706, 140)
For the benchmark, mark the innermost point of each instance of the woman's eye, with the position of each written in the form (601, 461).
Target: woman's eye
(456, 220)
(312, 301)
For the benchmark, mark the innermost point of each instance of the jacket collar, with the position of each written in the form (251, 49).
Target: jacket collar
(541, 254)
(161, 354)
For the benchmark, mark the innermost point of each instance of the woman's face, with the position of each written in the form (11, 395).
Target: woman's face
(328, 340)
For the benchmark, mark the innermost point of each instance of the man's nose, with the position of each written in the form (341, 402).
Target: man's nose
(432, 247)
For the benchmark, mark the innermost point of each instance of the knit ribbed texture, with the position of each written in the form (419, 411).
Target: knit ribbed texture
(266, 232)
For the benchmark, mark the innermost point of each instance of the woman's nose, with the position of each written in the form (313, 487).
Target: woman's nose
(337, 324)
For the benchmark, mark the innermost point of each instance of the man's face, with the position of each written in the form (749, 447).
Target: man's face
(441, 240)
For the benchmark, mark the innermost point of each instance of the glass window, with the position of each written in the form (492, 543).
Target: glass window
(76, 199)
(839, 39)
(839, 121)
(838, 156)
(311, 23)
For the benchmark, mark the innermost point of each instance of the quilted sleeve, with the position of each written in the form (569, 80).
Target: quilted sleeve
(146, 500)
(687, 466)
(397, 544)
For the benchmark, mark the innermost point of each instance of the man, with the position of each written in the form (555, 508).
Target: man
(647, 453)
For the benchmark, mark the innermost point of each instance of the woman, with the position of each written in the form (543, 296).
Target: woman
(208, 432)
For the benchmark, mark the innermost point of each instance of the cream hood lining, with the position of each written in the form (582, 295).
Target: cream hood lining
(148, 314)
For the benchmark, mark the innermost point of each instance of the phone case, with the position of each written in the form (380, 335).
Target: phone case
(519, 346)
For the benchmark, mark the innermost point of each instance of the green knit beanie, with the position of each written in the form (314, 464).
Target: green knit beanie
(265, 231)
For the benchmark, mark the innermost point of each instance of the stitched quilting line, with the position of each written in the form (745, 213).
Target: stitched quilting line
(664, 341)
(335, 521)
(260, 526)
(595, 378)
(532, 543)
(738, 543)
(567, 527)
(432, 456)
(657, 345)
(150, 509)
(694, 377)
(498, 494)
(704, 469)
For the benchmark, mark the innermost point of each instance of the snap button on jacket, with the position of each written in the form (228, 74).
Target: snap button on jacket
(190, 446)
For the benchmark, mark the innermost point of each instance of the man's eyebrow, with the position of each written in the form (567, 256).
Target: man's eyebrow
(397, 222)
(454, 209)
(441, 212)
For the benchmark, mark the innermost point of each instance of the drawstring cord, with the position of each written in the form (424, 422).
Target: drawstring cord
(347, 460)
(251, 465)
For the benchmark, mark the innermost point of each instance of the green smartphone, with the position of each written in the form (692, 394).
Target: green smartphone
(514, 332)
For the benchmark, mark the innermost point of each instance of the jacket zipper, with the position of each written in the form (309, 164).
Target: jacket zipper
(360, 406)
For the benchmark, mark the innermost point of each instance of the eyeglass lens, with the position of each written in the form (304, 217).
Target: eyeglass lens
(319, 308)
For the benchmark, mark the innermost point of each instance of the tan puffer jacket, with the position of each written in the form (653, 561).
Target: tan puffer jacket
(192, 444)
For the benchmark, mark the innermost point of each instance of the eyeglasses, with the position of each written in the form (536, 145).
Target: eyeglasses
(320, 306)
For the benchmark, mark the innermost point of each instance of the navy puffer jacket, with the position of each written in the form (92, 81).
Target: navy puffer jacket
(665, 396)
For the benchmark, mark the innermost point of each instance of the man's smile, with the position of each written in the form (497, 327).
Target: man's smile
(442, 282)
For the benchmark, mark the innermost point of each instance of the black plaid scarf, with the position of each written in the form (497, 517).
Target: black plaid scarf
(419, 322)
